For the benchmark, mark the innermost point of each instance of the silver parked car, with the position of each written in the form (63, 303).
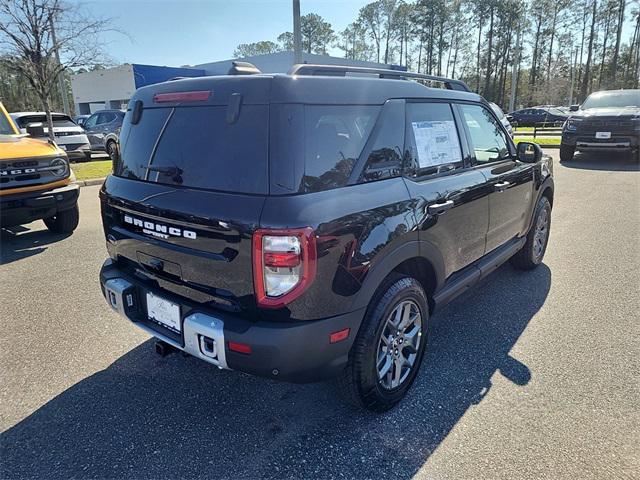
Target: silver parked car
(98, 127)
(502, 117)
(69, 136)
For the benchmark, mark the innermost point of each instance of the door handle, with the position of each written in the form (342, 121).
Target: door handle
(439, 208)
(501, 186)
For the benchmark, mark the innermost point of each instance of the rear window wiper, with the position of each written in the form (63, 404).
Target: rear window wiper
(169, 171)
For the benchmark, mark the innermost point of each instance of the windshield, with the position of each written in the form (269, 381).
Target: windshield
(58, 120)
(5, 125)
(617, 99)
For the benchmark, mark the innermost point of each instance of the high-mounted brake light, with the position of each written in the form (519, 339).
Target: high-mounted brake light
(284, 265)
(195, 96)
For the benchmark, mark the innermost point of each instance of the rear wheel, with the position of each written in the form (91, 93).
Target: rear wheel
(566, 153)
(112, 149)
(387, 353)
(532, 253)
(65, 221)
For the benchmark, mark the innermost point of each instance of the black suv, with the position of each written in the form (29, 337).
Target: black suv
(607, 120)
(306, 226)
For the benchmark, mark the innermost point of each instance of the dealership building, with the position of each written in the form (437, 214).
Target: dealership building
(113, 87)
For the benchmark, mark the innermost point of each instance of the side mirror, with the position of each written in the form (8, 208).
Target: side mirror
(529, 152)
(574, 108)
(35, 130)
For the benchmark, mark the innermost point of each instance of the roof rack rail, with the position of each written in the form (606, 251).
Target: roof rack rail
(343, 70)
(243, 68)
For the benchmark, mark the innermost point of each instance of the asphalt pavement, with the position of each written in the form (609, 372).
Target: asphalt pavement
(529, 375)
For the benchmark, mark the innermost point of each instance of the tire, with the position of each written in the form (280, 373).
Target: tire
(360, 383)
(566, 153)
(87, 157)
(532, 253)
(112, 150)
(65, 221)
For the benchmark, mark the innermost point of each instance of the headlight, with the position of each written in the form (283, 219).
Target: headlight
(571, 125)
(59, 167)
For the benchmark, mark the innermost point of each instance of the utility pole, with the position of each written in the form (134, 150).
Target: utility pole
(297, 36)
(573, 77)
(61, 85)
(514, 73)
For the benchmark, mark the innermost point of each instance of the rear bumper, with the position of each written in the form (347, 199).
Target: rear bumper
(296, 352)
(27, 207)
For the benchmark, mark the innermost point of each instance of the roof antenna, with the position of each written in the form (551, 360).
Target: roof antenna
(243, 68)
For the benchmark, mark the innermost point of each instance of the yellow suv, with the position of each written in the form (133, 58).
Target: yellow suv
(35, 180)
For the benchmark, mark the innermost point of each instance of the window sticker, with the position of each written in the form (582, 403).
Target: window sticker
(437, 143)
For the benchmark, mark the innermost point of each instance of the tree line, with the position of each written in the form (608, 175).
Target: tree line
(550, 44)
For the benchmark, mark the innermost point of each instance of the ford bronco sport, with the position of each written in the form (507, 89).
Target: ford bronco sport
(306, 226)
(35, 180)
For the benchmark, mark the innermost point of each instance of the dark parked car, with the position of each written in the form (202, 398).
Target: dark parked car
(312, 223)
(537, 117)
(99, 125)
(608, 120)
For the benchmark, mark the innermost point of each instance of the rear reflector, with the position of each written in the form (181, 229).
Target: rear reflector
(339, 335)
(195, 96)
(240, 347)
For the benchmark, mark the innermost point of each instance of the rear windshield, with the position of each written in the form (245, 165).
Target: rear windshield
(616, 99)
(58, 121)
(197, 147)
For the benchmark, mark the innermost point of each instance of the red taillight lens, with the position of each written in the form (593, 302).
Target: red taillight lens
(195, 96)
(284, 264)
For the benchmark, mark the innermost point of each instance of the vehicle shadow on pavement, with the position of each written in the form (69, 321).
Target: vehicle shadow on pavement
(611, 161)
(151, 417)
(21, 242)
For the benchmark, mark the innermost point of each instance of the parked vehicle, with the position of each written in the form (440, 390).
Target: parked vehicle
(312, 223)
(80, 119)
(607, 120)
(99, 125)
(35, 179)
(69, 136)
(502, 117)
(537, 117)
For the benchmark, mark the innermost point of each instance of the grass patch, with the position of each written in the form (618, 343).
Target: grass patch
(523, 130)
(542, 141)
(94, 169)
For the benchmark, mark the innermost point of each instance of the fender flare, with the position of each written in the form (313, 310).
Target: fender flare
(548, 183)
(386, 265)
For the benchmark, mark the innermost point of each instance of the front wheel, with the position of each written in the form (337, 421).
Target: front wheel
(566, 153)
(532, 253)
(387, 353)
(65, 221)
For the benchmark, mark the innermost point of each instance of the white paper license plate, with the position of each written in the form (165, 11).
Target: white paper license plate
(164, 312)
(603, 135)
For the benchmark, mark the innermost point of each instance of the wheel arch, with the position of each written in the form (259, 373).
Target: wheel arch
(416, 259)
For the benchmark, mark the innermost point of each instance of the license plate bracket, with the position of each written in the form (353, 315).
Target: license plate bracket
(164, 312)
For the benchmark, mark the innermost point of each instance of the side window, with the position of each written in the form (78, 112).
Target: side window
(334, 138)
(104, 118)
(489, 142)
(433, 139)
(384, 159)
(91, 121)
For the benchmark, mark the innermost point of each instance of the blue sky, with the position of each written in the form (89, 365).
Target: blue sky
(187, 32)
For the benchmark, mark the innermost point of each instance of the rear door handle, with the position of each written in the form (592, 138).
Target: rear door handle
(438, 208)
(501, 186)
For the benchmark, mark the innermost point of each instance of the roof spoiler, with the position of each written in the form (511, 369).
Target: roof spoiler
(343, 70)
(243, 68)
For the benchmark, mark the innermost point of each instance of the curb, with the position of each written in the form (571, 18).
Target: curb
(90, 182)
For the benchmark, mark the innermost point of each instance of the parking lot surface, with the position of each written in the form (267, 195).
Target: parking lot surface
(528, 375)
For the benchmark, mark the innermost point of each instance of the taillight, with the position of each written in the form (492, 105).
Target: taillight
(284, 264)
